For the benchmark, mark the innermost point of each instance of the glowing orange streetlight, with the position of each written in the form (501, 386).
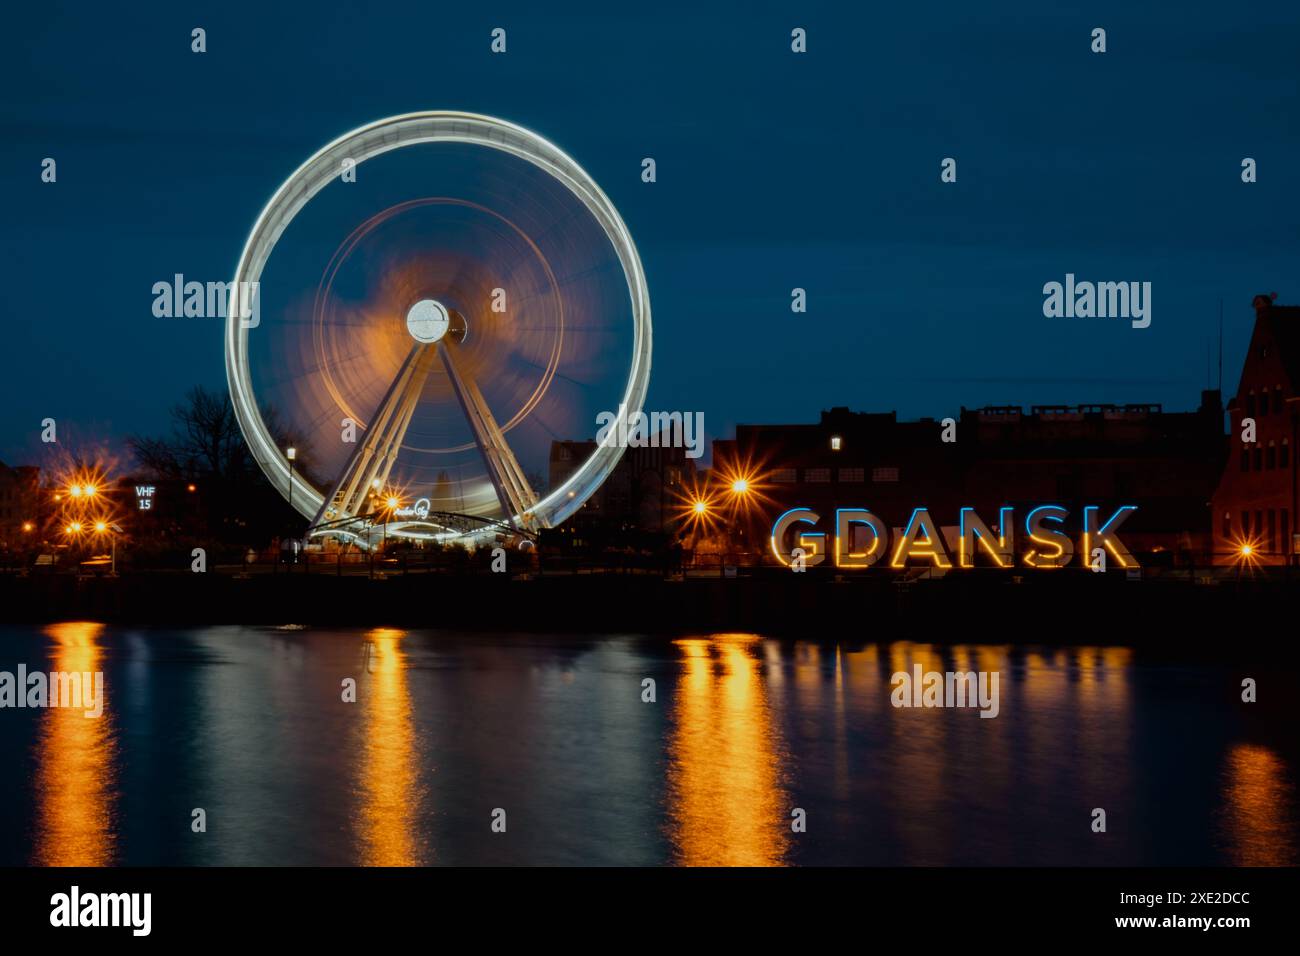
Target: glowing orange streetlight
(107, 527)
(391, 504)
(741, 482)
(1247, 554)
(74, 527)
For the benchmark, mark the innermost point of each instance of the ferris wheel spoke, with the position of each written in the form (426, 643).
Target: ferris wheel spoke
(372, 462)
(513, 491)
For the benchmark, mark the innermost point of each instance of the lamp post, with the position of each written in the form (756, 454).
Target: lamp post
(290, 453)
(391, 505)
(107, 527)
(740, 492)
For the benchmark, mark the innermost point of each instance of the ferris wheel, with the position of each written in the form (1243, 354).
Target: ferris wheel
(462, 302)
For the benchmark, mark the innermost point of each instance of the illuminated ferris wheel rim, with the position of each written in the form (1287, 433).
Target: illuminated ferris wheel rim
(380, 137)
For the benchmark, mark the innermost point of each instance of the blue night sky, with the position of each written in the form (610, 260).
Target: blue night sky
(775, 170)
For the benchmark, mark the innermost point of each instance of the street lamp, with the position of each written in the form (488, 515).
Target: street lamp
(290, 453)
(393, 503)
(743, 491)
(107, 527)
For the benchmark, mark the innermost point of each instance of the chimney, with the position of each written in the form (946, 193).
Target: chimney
(1263, 303)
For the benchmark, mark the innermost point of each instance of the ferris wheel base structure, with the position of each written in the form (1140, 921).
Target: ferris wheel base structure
(355, 507)
(436, 331)
(367, 533)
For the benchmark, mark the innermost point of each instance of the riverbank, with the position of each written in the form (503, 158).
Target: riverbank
(1080, 608)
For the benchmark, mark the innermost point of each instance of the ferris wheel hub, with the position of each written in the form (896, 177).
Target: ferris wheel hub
(428, 321)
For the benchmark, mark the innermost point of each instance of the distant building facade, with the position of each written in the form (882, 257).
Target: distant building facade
(1255, 504)
(645, 491)
(19, 504)
(1165, 463)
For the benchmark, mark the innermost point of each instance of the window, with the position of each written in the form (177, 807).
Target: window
(1259, 524)
(1285, 528)
(784, 476)
(817, 476)
(836, 442)
(853, 476)
(884, 474)
(1245, 459)
(1272, 530)
(1284, 457)
(1227, 524)
(1250, 405)
(1245, 524)
(1263, 403)
(1272, 456)
(1259, 459)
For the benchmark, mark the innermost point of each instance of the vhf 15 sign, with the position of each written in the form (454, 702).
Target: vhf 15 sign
(859, 539)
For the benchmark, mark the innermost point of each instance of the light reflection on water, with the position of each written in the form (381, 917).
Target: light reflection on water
(1256, 793)
(75, 782)
(744, 729)
(725, 795)
(389, 775)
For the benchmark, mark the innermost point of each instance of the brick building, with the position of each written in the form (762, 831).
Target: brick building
(19, 504)
(1256, 500)
(1166, 463)
(645, 491)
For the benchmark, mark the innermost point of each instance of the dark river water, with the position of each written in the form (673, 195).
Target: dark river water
(250, 726)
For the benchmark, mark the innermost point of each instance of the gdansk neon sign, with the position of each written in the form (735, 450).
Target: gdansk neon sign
(860, 539)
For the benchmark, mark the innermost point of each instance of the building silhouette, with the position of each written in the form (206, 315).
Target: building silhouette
(1166, 463)
(1255, 503)
(644, 493)
(20, 507)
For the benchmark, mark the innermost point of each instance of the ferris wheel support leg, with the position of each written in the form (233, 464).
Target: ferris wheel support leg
(513, 491)
(373, 458)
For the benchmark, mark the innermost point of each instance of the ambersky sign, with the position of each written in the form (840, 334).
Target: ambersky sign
(859, 539)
